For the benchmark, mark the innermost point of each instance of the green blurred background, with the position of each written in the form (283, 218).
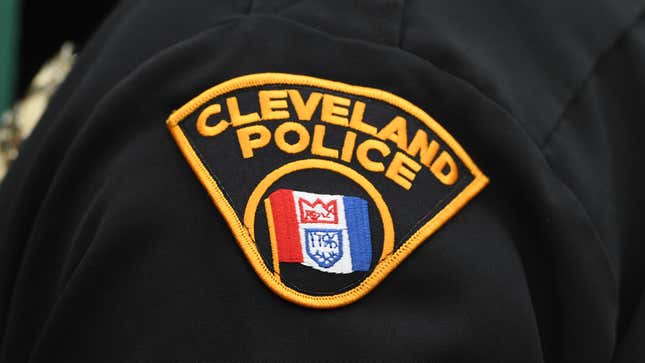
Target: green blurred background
(32, 32)
(9, 25)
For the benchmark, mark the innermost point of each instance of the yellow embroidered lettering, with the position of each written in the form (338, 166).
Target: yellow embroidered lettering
(316, 136)
(304, 110)
(206, 130)
(273, 104)
(335, 110)
(348, 147)
(236, 118)
(356, 121)
(247, 144)
(317, 145)
(298, 129)
(403, 170)
(363, 157)
(397, 131)
(445, 160)
(419, 145)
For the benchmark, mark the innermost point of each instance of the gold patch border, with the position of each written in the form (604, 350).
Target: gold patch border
(241, 233)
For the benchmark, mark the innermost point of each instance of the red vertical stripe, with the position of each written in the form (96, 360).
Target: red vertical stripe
(285, 223)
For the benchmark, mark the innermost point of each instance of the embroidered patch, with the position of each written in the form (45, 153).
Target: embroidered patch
(327, 187)
(330, 233)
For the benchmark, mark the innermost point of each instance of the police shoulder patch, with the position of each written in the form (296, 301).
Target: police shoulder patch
(326, 186)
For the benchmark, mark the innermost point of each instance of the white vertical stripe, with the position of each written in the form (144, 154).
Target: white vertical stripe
(344, 264)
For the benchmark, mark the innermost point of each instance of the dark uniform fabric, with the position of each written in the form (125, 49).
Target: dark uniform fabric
(110, 249)
(44, 26)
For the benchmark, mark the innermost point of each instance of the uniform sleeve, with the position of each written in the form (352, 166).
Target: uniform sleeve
(112, 248)
(26, 254)
(596, 148)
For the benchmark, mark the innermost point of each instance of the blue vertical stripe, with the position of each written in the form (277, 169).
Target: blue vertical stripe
(358, 229)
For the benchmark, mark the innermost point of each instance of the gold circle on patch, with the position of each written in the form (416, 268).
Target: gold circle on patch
(368, 187)
(454, 193)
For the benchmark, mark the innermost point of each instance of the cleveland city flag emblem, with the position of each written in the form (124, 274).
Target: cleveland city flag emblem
(330, 233)
(327, 187)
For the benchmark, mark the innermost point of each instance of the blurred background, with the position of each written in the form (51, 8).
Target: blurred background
(31, 32)
(38, 38)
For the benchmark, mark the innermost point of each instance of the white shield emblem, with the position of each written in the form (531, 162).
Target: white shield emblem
(324, 246)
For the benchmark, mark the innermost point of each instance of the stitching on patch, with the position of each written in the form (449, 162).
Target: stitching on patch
(240, 230)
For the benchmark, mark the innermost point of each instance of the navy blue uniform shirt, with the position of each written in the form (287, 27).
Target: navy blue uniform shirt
(112, 248)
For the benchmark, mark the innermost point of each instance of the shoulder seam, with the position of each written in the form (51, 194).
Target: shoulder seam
(566, 186)
(592, 71)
